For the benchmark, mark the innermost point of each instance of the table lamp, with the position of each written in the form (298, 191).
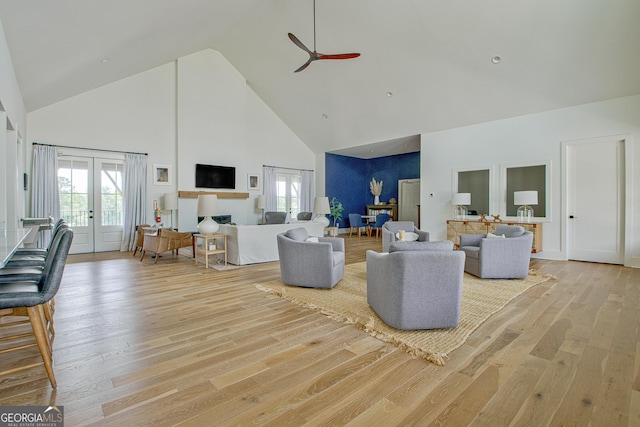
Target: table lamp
(321, 208)
(207, 207)
(262, 204)
(460, 200)
(525, 198)
(171, 204)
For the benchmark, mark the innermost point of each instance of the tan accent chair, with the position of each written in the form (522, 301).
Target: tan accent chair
(166, 240)
(139, 237)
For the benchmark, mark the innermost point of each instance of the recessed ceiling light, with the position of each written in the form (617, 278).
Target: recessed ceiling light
(105, 60)
(324, 116)
(496, 60)
(389, 94)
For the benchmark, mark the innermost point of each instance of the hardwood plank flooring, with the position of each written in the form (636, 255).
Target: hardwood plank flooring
(175, 344)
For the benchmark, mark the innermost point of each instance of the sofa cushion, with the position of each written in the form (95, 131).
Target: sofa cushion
(471, 251)
(338, 258)
(298, 234)
(443, 245)
(312, 240)
(510, 230)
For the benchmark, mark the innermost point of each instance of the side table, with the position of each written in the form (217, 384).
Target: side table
(209, 240)
(332, 231)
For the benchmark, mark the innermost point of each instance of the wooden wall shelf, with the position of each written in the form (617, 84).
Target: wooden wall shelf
(220, 194)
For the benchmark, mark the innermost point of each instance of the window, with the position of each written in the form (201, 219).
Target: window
(73, 185)
(288, 188)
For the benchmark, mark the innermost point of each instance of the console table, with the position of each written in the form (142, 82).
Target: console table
(457, 227)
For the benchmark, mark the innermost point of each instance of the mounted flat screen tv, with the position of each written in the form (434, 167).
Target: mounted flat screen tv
(210, 176)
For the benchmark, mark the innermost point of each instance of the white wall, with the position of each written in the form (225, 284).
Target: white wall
(197, 109)
(536, 137)
(136, 114)
(221, 121)
(10, 97)
(12, 130)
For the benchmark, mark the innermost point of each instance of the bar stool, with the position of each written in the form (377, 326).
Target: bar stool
(29, 298)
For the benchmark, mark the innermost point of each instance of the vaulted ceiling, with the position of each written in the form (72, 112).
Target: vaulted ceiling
(426, 65)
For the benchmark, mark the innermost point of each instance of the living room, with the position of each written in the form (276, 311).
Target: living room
(173, 111)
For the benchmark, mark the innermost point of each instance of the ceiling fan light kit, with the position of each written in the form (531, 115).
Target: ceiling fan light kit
(314, 55)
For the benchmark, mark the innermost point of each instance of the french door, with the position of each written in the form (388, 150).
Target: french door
(289, 187)
(91, 202)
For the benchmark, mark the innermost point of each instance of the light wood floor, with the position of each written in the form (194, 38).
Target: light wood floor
(175, 344)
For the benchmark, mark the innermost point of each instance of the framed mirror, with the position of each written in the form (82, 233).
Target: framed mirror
(529, 178)
(478, 183)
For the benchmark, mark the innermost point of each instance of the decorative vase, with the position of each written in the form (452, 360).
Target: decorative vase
(376, 200)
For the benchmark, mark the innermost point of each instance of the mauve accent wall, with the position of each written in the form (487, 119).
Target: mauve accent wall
(347, 179)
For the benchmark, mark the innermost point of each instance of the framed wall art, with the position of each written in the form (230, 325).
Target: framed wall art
(162, 175)
(253, 181)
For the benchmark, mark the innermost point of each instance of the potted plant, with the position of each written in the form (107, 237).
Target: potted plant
(336, 210)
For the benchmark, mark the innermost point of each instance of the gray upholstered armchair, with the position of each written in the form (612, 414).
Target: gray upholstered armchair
(504, 254)
(416, 286)
(316, 262)
(275, 217)
(391, 228)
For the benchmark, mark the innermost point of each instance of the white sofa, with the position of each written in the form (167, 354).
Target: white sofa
(252, 244)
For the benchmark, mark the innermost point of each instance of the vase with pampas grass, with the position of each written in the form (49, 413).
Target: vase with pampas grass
(376, 190)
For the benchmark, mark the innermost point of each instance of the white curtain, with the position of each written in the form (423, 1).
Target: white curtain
(270, 188)
(45, 198)
(307, 191)
(134, 198)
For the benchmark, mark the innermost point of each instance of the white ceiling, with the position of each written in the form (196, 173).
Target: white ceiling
(432, 56)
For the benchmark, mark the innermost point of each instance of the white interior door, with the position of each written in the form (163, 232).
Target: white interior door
(595, 189)
(409, 199)
(91, 202)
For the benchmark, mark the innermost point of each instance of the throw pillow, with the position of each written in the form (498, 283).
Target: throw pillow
(298, 234)
(495, 236)
(312, 240)
(409, 236)
(442, 245)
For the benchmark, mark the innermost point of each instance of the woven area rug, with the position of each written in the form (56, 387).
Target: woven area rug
(347, 302)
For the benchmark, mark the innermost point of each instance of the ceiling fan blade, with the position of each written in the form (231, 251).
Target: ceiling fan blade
(305, 65)
(338, 56)
(298, 43)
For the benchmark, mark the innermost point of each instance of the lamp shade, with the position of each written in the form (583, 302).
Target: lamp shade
(262, 202)
(461, 199)
(321, 206)
(525, 198)
(170, 201)
(207, 205)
